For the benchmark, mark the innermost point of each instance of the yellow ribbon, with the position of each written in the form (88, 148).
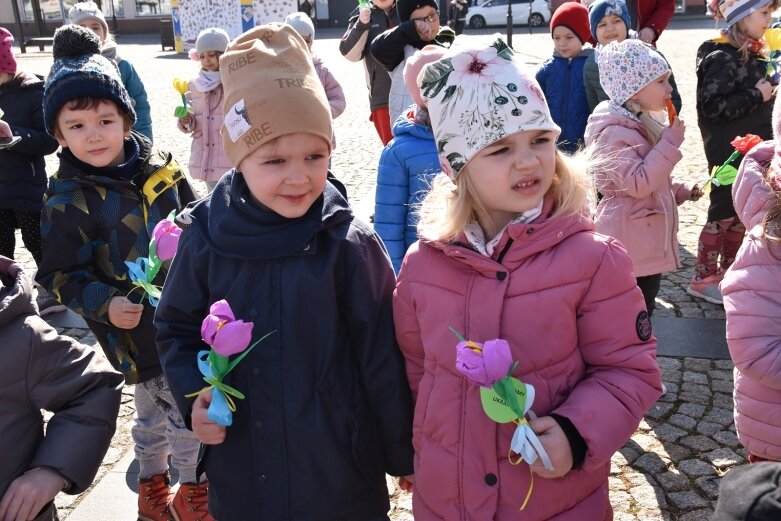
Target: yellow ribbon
(518, 423)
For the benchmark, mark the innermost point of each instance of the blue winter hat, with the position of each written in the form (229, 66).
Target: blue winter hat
(80, 71)
(602, 8)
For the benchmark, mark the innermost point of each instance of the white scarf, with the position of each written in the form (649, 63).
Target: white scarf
(207, 81)
(476, 237)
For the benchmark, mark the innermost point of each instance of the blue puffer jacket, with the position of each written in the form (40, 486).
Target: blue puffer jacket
(561, 80)
(135, 88)
(407, 165)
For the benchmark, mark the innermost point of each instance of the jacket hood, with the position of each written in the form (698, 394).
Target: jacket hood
(70, 171)
(527, 239)
(752, 195)
(584, 53)
(707, 47)
(236, 227)
(605, 116)
(406, 124)
(16, 292)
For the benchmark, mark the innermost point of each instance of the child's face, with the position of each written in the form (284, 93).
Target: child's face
(288, 174)
(429, 15)
(210, 61)
(513, 175)
(565, 42)
(95, 136)
(754, 25)
(611, 29)
(96, 27)
(384, 4)
(652, 97)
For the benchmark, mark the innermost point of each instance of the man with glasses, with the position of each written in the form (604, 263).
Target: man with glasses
(418, 27)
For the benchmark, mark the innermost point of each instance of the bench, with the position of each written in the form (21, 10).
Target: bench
(40, 41)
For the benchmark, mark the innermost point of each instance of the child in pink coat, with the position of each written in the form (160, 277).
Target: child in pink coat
(207, 159)
(636, 153)
(752, 300)
(507, 251)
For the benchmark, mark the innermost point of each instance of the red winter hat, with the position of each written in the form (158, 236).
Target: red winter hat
(7, 60)
(573, 16)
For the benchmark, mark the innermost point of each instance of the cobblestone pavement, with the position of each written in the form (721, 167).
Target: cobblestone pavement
(671, 467)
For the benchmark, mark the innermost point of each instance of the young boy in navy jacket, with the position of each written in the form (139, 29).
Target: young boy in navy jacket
(327, 410)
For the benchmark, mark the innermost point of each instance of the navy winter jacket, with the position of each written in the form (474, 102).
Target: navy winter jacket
(407, 165)
(561, 80)
(22, 167)
(328, 409)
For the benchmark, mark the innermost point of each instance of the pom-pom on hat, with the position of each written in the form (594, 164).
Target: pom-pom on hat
(84, 11)
(271, 89)
(602, 8)
(414, 66)
(735, 10)
(628, 66)
(477, 96)
(302, 24)
(405, 7)
(7, 60)
(80, 71)
(573, 16)
(211, 39)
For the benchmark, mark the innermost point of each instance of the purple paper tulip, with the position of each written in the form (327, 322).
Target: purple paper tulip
(223, 332)
(486, 367)
(166, 235)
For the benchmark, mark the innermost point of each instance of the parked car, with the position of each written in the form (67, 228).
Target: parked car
(494, 12)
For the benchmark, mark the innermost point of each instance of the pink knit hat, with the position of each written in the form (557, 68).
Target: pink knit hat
(7, 60)
(415, 64)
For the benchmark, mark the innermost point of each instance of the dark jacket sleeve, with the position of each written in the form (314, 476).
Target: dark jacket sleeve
(594, 92)
(721, 96)
(35, 140)
(178, 320)
(354, 44)
(79, 386)
(366, 304)
(388, 47)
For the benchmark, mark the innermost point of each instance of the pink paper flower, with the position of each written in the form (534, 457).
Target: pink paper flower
(474, 67)
(226, 335)
(484, 364)
(166, 236)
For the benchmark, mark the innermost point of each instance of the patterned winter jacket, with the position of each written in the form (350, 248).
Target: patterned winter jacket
(91, 224)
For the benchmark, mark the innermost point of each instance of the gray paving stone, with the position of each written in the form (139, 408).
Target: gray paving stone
(720, 374)
(722, 386)
(698, 378)
(723, 458)
(682, 421)
(650, 462)
(692, 409)
(703, 514)
(730, 439)
(696, 388)
(645, 442)
(630, 454)
(726, 365)
(720, 416)
(709, 486)
(666, 432)
(671, 376)
(673, 481)
(676, 452)
(699, 443)
(696, 468)
(666, 362)
(669, 397)
(648, 497)
(702, 399)
(687, 500)
(708, 428)
(696, 364)
(659, 410)
(722, 400)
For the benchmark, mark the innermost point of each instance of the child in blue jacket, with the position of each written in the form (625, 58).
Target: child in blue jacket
(561, 76)
(407, 165)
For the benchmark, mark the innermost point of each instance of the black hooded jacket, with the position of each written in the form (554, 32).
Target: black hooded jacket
(328, 409)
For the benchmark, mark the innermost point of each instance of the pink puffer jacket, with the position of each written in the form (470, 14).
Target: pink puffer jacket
(752, 300)
(640, 201)
(208, 161)
(565, 299)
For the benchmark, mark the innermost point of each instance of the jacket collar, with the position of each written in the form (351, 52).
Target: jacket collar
(16, 292)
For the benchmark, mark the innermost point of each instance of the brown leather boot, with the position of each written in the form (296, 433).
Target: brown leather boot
(189, 503)
(154, 498)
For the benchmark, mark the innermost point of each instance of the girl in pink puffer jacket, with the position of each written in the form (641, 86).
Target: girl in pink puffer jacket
(637, 154)
(507, 251)
(208, 161)
(752, 300)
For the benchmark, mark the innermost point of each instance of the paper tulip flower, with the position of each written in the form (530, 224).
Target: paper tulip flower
(725, 174)
(226, 336)
(181, 87)
(166, 236)
(483, 364)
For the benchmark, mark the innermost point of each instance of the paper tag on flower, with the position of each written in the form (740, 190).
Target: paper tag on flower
(497, 409)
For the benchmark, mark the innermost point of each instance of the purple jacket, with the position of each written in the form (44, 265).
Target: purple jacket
(752, 301)
(573, 326)
(640, 195)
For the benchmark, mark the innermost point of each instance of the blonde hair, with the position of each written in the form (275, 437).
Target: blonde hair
(771, 224)
(450, 206)
(652, 126)
(742, 41)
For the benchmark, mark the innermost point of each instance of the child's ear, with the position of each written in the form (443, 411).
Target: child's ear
(59, 138)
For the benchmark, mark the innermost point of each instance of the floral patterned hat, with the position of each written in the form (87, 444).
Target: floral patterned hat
(626, 67)
(477, 96)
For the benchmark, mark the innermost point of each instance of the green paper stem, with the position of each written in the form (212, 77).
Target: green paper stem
(458, 335)
(246, 352)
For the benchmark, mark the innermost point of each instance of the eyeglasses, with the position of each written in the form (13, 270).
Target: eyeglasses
(430, 18)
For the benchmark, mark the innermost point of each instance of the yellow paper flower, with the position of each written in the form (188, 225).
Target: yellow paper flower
(180, 85)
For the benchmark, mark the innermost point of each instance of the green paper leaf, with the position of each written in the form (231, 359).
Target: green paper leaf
(497, 407)
(219, 363)
(726, 174)
(246, 352)
(180, 112)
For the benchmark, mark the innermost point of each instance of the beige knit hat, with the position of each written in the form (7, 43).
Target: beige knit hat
(271, 89)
